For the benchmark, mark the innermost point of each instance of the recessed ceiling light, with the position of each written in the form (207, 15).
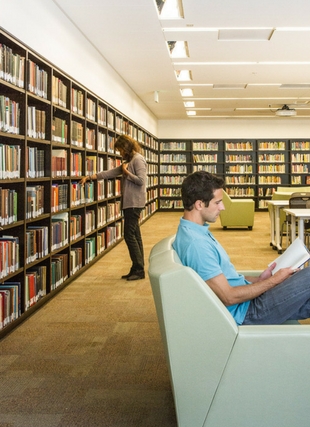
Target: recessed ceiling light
(183, 75)
(178, 49)
(170, 9)
(186, 92)
(191, 113)
(189, 104)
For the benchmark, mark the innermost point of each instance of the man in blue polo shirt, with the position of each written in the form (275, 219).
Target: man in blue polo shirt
(267, 299)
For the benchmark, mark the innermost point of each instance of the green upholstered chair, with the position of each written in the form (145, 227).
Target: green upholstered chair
(238, 212)
(223, 374)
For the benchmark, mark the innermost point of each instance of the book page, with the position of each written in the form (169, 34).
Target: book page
(294, 256)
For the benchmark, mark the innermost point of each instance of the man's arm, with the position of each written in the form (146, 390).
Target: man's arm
(230, 295)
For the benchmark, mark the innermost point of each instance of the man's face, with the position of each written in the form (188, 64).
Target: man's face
(216, 205)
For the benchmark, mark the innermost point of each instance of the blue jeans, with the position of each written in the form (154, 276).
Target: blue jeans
(132, 236)
(290, 300)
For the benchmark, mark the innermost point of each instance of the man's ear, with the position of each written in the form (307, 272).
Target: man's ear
(199, 204)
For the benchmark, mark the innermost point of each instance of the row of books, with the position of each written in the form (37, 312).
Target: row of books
(59, 270)
(35, 162)
(90, 109)
(35, 286)
(173, 158)
(59, 162)
(76, 164)
(76, 260)
(240, 191)
(37, 80)
(9, 115)
(170, 192)
(34, 201)
(172, 179)
(75, 227)
(12, 66)
(240, 168)
(77, 134)
(9, 255)
(10, 161)
(113, 234)
(59, 198)
(90, 139)
(208, 158)
(59, 130)
(59, 92)
(36, 123)
(113, 211)
(37, 243)
(90, 221)
(90, 249)
(77, 101)
(10, 302)
(8, 206)
(173, 169)
(60, 230)
(212, 168)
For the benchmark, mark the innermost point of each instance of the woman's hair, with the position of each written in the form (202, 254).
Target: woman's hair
(200, 186)
(128, 145)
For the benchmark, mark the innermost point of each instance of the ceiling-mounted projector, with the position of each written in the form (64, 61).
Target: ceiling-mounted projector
(286, 111)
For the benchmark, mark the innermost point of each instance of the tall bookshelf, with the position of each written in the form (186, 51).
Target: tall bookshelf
(251, 168)
(53, 131)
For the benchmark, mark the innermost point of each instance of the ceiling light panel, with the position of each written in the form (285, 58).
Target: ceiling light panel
(229, 86)
(245, 34)
(295, 86)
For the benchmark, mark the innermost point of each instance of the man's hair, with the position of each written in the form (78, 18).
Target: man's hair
(128, 145)
(200, 186)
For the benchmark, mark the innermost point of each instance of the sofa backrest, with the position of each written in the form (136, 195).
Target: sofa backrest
(197, 330)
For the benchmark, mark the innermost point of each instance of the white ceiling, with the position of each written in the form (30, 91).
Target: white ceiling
(132, 38)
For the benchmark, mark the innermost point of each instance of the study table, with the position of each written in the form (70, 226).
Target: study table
(274, 213)
(299, 215)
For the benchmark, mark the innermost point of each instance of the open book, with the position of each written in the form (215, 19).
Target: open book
(294, 256)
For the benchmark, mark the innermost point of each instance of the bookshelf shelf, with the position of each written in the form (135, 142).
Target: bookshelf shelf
(53, 131)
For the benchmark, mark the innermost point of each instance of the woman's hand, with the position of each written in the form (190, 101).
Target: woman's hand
(83, 180)
(124, 167)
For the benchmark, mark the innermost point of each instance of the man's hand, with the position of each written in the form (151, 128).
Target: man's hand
(268, 272)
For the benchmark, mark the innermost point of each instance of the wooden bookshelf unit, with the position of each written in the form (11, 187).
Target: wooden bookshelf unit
(53, 131)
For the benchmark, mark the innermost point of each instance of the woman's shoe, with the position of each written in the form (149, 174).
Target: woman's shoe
(136, 276)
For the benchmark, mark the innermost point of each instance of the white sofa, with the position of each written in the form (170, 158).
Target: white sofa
(223, 375)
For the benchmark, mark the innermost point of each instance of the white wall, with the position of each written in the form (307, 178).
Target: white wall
(42, 26)
(285, 128)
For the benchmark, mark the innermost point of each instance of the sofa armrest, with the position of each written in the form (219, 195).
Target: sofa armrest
(254, 273)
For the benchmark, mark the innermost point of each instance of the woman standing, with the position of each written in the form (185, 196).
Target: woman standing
(134, 172)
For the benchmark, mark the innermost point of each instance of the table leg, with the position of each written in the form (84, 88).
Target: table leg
(277, 233)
